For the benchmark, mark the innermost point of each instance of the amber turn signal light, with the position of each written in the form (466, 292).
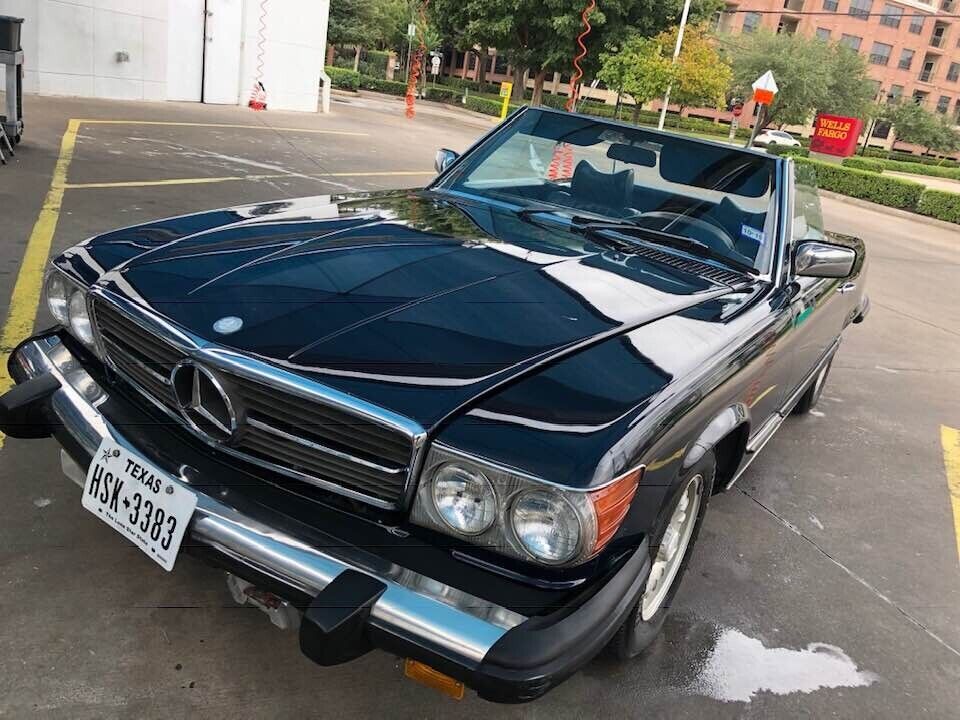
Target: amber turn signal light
(426, 675)
(611, 505)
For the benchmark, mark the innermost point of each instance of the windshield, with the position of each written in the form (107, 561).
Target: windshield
(707, 193)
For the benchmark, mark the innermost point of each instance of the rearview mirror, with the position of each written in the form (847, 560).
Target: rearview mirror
(443, 159)
(821, 260)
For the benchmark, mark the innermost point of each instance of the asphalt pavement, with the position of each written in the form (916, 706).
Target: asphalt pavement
(825, 584)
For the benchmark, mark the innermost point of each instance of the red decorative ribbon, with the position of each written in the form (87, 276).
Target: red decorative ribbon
(578, 71)
(417, 61)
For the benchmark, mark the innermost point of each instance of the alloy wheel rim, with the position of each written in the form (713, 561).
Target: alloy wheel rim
(673, 548)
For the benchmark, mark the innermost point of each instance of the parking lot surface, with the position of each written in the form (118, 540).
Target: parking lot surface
(825, 584)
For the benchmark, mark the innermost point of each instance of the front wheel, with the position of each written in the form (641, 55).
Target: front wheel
(812, 395)
(670, 559)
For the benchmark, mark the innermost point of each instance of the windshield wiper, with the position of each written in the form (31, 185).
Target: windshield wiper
(679, 242)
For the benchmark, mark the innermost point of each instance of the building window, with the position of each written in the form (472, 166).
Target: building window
(891, 15)
(881, 130)
(906, 59)
(500, 65)
(751, 21)
(956, 113)
(852, 42)
(880, 53)
(860, 9)
(895, 94)
(920, 97)
(943, 104)
(953, 73)
(823, 33)
(830, 5)
(916, 24)
(929, 68)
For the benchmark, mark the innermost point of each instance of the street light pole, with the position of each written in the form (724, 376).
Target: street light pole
(676, 54)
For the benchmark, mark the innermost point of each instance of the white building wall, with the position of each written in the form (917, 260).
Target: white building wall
(296, 38)
(70, 48)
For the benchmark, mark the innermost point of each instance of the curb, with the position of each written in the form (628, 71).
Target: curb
(895, 212)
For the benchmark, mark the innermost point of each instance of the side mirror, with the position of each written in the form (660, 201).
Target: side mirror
(822, 260)
(443, 159)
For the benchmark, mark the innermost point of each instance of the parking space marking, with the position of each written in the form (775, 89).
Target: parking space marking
(314, 131)
(234, 178)
(25, 297)
(950, 439)
(26, 291)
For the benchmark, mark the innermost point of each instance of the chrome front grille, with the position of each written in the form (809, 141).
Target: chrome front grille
(313, 441)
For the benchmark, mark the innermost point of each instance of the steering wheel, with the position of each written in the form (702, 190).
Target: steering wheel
(718, 238)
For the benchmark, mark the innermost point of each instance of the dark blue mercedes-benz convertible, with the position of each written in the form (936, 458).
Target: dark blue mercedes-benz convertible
(476, 425)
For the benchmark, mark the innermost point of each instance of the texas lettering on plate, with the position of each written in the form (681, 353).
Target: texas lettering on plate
(139, 501)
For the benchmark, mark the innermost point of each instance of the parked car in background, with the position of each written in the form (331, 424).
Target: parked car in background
(776, 137)
(478, 424)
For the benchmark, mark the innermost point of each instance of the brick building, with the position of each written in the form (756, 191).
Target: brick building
(912, 49)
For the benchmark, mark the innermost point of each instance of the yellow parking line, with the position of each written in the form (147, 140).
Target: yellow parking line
(234, 178)
(315, 131)
(172, 181)
(950, 439)
(26, 291)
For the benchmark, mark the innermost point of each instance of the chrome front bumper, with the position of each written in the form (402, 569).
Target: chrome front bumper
(449, 623)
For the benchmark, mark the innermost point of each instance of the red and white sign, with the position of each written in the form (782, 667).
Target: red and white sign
(764, 88)
(835, 135)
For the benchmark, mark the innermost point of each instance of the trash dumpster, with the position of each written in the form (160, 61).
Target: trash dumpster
(10, 32)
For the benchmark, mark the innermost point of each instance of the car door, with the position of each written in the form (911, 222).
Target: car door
(817, 306)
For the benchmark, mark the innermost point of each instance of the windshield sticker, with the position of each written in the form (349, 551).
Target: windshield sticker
(752, 233)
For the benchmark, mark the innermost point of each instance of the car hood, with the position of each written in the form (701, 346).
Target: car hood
(412, 301)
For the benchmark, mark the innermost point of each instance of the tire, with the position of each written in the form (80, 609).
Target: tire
(810, 398)
(637, 632)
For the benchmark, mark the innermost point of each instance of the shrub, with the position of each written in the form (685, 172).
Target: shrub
(941, 205)
(921, 169)
(373, 63)
(892, 192)
(788, 150)
(391, 87)
(874, 166)
(343, 78)
(486, 106)
(442, 94)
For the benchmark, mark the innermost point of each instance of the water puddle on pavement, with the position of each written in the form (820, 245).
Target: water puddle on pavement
(738, 667)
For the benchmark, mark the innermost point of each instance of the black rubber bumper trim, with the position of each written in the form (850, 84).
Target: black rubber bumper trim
(540, 653)
(24, 408)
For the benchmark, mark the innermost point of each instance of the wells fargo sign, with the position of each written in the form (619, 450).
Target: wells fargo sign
(835, 135)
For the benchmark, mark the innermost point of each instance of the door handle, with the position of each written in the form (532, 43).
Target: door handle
(846, 287)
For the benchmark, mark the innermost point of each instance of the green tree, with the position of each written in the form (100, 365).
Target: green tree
(638, 68)
(913, 123)
(539, 35)
(812, 75)
(702, 76)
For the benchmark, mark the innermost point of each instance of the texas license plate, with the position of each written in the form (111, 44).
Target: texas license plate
(139, 501)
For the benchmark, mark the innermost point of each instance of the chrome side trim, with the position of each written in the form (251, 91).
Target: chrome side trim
(764, 433)
(769, 428)
(455, 624)
(216, 356)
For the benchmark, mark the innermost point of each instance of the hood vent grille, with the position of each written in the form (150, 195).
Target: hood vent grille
(694, 267)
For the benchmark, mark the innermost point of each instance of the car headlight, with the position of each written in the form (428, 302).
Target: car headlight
(58, 290)
(464, 499)
(80, 324)
(67, 301)
(515, 514)
(546, 526)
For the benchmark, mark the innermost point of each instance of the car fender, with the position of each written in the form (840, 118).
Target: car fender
(722, 424)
